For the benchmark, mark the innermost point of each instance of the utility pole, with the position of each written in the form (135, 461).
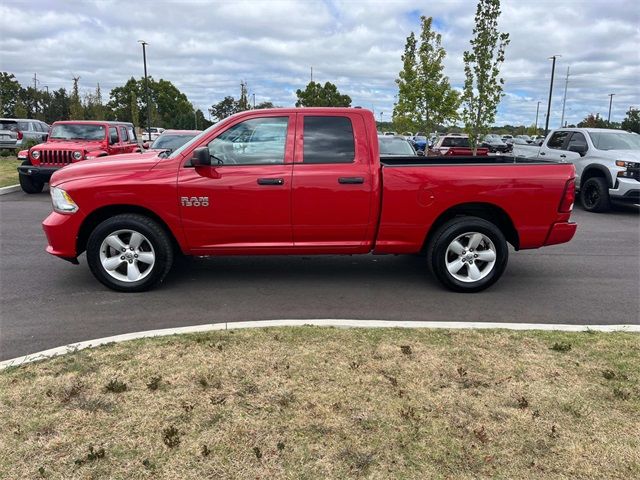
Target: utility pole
(537, 111)
(254, 100)
(553, 71)
(35, 88)
(610, 101)
(564, 100)
(312, 74)
(195, 117)
(146, 85)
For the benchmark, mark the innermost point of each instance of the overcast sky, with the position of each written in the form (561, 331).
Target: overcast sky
(207, 48)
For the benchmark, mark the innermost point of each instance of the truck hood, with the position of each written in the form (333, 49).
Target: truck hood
(70, 145)
(629, 155)
(112, 165)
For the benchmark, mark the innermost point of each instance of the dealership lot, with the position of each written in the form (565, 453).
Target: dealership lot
(46, 302)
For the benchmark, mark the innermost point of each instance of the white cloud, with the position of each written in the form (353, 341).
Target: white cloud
(207, 48)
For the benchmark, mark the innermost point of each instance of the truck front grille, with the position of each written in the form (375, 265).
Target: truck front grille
(56, 158)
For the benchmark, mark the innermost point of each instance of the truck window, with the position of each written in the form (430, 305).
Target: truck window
(124, 138)
(577, 139)
(258, 141)
(328, 140)
(557, 140)
(113, 136)
(132, 134)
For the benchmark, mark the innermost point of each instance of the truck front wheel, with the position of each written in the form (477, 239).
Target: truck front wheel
(594, 195)
(129, 253)
(468, 254)
(28, 183)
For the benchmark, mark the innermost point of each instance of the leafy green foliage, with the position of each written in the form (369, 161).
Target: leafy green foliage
(593, 121)
(317, 95)
(425, 97)
(9, 90)
(483, 84)
(225, 108)
(632, 120)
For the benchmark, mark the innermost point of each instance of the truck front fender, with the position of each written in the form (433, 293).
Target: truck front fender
(95, 154)
(23, 154)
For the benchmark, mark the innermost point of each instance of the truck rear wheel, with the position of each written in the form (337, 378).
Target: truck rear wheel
(594, 195)
(468, 254)
(29, 184)
(129, 253)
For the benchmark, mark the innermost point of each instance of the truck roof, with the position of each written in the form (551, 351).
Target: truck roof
(93, 122)
(573, 129)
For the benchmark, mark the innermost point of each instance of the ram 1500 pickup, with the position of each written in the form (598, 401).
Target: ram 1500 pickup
(304, 181)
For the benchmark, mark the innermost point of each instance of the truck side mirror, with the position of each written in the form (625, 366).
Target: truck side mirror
(201, 157)
(580, 148)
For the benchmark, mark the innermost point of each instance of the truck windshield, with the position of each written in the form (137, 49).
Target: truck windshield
(171, 142)
(615, 140)
(462, 142)
(77, 132)
(194, 141)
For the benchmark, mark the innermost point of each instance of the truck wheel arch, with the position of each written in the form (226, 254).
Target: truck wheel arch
(103, 213)
(596, 170)
(487, 211)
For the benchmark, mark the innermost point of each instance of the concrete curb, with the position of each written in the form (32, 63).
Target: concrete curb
(342, 323)
(9, 189)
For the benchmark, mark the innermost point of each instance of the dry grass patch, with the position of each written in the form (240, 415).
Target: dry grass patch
(329, 403)
(8, 171)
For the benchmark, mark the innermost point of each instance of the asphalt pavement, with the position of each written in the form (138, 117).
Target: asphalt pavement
(46, 302)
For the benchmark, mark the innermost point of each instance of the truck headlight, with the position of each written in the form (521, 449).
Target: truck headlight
(62, 201)
(77, 155)
(35, 154)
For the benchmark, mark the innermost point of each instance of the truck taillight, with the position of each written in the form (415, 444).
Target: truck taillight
(20, 135)
(568, 197)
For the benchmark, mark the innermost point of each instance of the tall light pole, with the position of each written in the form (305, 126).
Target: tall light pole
(537, 111)
(610, 101)
(553, 71)
(146, 86)
(564, 99)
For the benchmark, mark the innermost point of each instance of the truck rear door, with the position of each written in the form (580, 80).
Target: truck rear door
(243, 201)
(332, 183)
(556, 148)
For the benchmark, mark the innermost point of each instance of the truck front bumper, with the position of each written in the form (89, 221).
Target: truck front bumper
(627, 190)
(561, 232)
(62, 234)
(42, 174)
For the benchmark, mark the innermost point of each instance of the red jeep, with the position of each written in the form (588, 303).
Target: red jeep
(70, 142)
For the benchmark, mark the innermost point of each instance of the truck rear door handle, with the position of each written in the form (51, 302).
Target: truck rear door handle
(271, 181)
(350, 180)
(563, 156)
(542, 153)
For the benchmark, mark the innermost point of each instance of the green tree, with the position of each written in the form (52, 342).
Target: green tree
(75, 108)
(632, 120)
(425, 97)
(123, 102)
(262, 105)
(593, 121)
(9, 94)
(224, 108)
(59, 106)
(327, 95)
(483, 84)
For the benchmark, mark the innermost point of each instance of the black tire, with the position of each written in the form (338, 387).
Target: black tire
(29, 184)
(450, 231)
(157, 238)
(594, 195)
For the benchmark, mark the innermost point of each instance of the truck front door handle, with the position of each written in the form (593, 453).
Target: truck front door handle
(542, 153)
(563, 156)
(350, 180)
(271, 181)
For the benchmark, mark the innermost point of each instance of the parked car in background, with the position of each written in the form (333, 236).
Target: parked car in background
(325, 190)
(607, 163)
(456, 144)
(526, 138)
(390, 133)
(154, 132)
(70, 142)
(9, 133)
(505, 138)
(420, 143)
(516, 141)
(395, 146)
(495, 144)
(171, 139)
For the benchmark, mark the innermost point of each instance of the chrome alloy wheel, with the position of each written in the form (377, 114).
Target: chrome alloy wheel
(127, 255)
(470, 257)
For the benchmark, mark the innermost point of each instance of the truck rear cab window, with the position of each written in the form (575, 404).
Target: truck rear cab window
(328, 140)
(258, 141)
(557, 140)
(124, 138)
(132, 134)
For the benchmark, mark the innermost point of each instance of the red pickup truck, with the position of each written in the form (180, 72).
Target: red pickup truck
(304, 181)
(73, 141)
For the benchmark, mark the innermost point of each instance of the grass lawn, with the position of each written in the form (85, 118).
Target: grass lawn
(311, 402)
(8, 172)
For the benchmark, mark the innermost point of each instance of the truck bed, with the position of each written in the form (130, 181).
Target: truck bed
(455, 160)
